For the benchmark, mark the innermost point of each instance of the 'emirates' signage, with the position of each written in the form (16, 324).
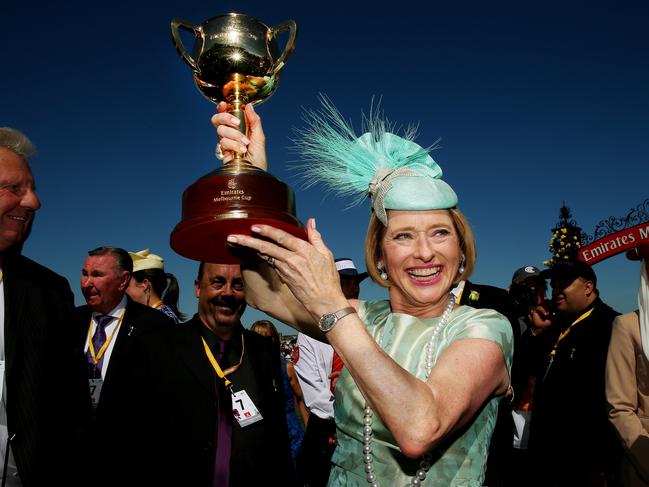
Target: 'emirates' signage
(615, 243)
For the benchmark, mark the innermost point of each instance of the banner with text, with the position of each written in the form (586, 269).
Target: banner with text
(615, 243)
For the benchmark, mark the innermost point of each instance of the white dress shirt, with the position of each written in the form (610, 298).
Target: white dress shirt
(111, 329)
(13, 480)
(313, 369)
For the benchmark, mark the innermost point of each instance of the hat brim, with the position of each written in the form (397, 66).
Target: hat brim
(545, 273)
(359, 276)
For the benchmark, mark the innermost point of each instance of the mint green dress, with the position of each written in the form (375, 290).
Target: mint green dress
(457, 462)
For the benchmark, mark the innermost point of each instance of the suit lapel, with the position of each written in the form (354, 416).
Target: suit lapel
(15, 293)
(254, 355)
(83, 316)
(123, 342)
(192, 355)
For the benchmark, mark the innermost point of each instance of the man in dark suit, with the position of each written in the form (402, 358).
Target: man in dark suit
(192, 377)
(44, 404)
(111, 324)
(571, 440)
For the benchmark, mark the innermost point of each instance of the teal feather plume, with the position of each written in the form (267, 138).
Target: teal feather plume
(333, 155)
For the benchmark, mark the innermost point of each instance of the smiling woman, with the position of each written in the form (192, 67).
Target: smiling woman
(444, 234)
(403, 415)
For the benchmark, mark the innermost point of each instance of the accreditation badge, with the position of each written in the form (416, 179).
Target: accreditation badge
(95, 390)
(244, 410)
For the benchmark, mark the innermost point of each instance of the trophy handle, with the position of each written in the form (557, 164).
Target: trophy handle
(178, 42)
(291, 27)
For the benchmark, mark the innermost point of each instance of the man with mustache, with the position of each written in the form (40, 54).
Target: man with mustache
(43, 405)
(210, 407)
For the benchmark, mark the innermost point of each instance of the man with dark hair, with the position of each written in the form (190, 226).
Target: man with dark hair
(527, 291)
(571, 441)
(212, 411)
(44, 404)
(111, 324)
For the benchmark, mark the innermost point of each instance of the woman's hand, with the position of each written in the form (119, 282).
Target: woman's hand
(307, 268)
(232, 140)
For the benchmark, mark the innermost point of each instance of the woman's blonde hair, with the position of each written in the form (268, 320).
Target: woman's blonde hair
(376, 232)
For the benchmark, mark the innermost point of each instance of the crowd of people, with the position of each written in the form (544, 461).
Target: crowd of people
(446, 382)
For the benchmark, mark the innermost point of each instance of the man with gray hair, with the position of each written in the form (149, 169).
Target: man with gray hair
(43, 407)
(111, 325)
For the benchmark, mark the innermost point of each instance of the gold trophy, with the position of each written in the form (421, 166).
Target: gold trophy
(236, 60)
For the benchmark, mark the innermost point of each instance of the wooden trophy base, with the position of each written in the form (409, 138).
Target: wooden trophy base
(229, 201)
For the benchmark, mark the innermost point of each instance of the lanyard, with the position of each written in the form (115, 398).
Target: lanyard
(217, 367)
(96, 358)
(564, 334)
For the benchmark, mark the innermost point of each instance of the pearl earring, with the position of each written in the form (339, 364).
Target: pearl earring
(383, 275)
(461, 269)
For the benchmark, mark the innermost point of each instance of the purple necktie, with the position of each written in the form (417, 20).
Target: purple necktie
(98, 340)
(224, 426)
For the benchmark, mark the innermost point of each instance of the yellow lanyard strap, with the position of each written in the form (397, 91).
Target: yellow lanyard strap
(217, 367)
(565, 332)
(104, 347)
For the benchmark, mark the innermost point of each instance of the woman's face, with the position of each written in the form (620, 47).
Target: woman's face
(137, 291)
(422, 255)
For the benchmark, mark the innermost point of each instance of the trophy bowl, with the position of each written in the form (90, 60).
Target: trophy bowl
(236, 60)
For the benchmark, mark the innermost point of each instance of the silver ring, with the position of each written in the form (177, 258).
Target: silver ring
(218, 152)
(271, 262)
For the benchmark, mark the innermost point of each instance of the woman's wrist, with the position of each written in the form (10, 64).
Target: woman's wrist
(329, 306)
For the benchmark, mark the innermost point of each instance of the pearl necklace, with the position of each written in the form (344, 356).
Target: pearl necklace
(424, 464)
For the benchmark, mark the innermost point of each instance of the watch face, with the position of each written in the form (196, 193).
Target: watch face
(327, 321)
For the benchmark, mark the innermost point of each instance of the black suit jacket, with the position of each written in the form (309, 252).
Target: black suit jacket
(570, 432)
(174, 428)
(48, 404)
(109, 431)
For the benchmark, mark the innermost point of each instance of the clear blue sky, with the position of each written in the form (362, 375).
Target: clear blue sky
(536, 103)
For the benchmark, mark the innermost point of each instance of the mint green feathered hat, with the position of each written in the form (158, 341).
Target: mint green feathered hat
(393, 170)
